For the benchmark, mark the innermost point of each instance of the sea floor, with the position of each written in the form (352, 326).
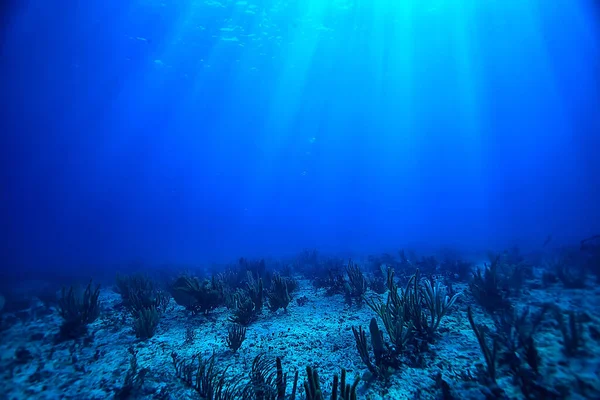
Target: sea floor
(318, 334)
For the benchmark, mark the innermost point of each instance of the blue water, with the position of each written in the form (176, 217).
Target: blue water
(370, 151)
(200, 131)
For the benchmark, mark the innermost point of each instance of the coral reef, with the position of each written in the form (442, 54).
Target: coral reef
(503, 331)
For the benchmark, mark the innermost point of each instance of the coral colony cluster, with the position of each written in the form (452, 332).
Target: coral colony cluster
(403, 326)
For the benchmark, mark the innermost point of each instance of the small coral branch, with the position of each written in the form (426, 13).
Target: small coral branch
(198, 296)
(236, 334)
(488, 354)
(78, 310)
(268, 381)
(146, 322)
(438, 303)
(378, 369)
(571, 330)
(201, 375)
(244, 312)
(340, 390)
(279, 296)
(357, 283)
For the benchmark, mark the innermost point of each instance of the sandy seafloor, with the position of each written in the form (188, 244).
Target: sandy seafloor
(33, 366)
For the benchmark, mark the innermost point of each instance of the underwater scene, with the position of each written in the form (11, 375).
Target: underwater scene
(300, 199)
